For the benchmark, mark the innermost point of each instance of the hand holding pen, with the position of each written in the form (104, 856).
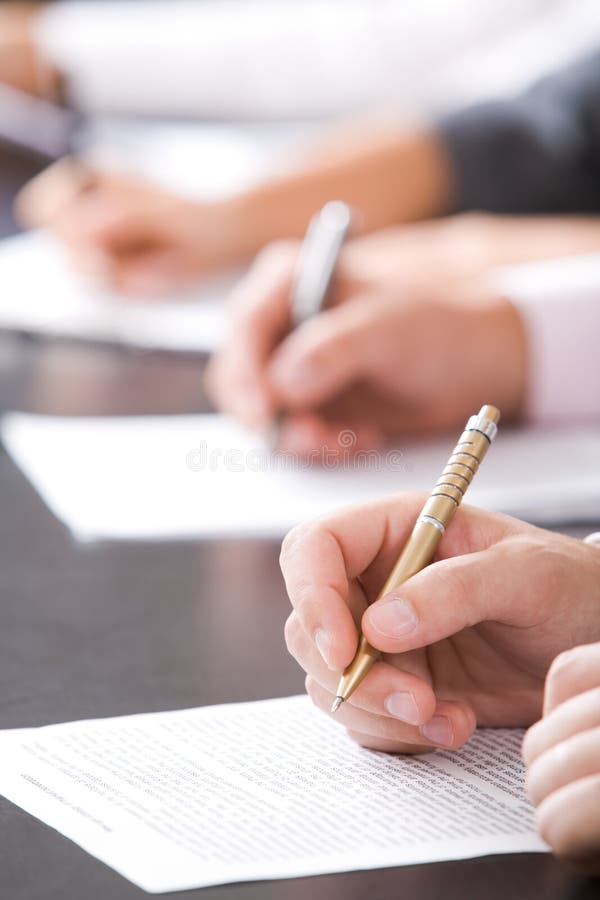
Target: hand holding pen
(466, 641)
(392, 353)
(314, 273)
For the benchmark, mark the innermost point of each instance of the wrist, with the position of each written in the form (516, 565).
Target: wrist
(238, 227)
(501, 355)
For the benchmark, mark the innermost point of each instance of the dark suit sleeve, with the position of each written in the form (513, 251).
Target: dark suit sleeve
(539, 152)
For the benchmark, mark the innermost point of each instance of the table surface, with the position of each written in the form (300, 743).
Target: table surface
(108, 629)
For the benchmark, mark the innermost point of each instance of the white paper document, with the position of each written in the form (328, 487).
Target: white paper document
(272, 789)
(41, 294)
(195, 476)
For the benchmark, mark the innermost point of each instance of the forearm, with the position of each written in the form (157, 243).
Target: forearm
(388, 177)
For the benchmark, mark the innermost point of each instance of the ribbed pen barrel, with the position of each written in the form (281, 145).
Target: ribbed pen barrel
(462, 466)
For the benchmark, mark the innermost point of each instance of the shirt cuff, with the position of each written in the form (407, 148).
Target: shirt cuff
(559, 302)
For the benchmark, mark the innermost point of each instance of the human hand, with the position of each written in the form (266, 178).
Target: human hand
(562, 754)
(392, 354)
(138, 238)
(465, 642)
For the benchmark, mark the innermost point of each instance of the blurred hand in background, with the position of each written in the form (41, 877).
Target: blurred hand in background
(167, 241)
(139, 239)
(376, 360)
(416, 335)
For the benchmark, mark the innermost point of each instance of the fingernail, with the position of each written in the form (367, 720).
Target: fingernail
(323, 642)
(393, 618)
(439, 730)
(402, 705)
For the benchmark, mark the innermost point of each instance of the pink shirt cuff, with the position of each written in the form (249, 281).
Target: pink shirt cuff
(559, 301)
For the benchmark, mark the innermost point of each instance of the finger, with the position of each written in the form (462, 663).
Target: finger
(261, 301)
(371, 742)
(569, 821)
(457, 593)
(571, 673)
(567, 761)
(260, 312)
(321, 560)
(578, 713)
(326, 354)
(451, 726)
(224, 388)
(386, 691)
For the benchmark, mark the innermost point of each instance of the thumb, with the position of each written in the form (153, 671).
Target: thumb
(324, 355)
(442, 600)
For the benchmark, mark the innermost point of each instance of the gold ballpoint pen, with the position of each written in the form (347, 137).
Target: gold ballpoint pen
(429, 528)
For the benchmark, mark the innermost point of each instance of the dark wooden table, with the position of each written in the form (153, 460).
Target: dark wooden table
(109, 629)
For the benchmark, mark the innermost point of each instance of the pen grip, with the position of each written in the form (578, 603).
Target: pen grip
(417, 553)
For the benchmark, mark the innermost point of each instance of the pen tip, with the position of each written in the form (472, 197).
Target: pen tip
(336, 704)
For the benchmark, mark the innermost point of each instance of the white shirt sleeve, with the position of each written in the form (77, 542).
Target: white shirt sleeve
(559, 302)
(267, 58)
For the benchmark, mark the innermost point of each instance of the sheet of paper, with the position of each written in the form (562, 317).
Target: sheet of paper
(193, 476)
(272, 789)
(41, 294)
